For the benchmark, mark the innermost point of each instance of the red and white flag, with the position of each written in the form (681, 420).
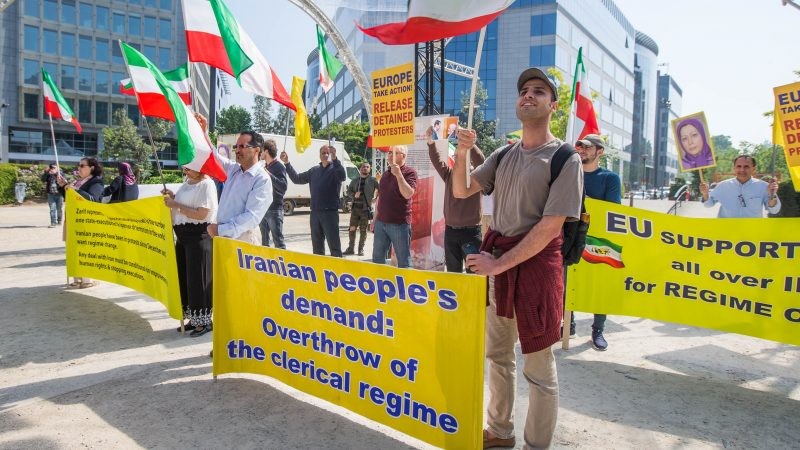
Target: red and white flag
(582, 119)
(213, 36)
(54, 103)
(429, 20)
(178, 77)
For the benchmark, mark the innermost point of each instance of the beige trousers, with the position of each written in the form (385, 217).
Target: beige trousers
(540, 371)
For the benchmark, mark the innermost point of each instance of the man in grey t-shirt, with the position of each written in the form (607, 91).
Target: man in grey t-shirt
(522, 257)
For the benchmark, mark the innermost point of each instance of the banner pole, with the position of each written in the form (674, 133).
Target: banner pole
(155, 153)
(286, 131)
(472, 91)
(55, 147)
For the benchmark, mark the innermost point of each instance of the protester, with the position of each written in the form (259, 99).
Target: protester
(123, 188)
(600, 184)
(521, 254)
(325, 181)
(89, 185)
(462, 217)
(362, 190)
(743, 196)
(694, 145)
(272, 223)
(392, 224)
(194, 208)
(247, 193)
(54, 182)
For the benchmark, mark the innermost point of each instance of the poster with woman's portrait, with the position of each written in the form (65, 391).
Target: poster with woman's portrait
(695, 149)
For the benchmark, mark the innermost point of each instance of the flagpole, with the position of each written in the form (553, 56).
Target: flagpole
(473, 90)
(55, 147)
(286, 130)
(155, 152)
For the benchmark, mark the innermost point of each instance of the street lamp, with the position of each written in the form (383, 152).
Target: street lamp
(3, 107)
(644, 172)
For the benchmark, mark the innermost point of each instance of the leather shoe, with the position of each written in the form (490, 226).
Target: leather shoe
(494, 441)
(349, 251)
(199, 332)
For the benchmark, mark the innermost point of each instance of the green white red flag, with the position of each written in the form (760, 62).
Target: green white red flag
(603, 251)
(156, 94)
(582, 119)
(329, 66)
(179, 77)
(213, 36)
(54, 103)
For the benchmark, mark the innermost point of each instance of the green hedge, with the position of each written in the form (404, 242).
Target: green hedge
(8, 178)
(790, 200)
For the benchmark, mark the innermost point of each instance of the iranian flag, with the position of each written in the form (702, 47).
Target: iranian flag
(179, 78)
(582, 119)
(429, 20)
(603, 251)
(213, 36)
(54, 103)
(329, 66)
(155, 92)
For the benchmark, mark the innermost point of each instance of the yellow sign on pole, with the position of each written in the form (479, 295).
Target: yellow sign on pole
(402, 347)
(127, 243)
(393, 106)
(787, 127)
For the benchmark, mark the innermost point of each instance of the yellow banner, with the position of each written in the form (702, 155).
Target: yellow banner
(393, 106)
(787, 127)
(127, 243)
(734, 275)
(402, 347)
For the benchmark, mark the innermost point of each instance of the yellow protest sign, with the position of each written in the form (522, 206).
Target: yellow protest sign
(127, 243)
(393, 106)
(787, 110)
(734, 275)
(402, 347)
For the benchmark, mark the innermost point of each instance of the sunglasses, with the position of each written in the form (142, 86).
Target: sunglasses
(742, 202)
(244, 146)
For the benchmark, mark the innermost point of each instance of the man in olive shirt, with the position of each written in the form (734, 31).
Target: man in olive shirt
(462, 217)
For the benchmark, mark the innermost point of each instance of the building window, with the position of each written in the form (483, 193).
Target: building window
(50, 41)
(32, 8)
(165, 29)
(68, 12)
(101, 113)
(85, 111)
(30, 72)
(86, 15)
(85, 48)
(134, 25)
(67, 77)
(67, 45)
(101, 50)
(150, 27)
(116, 55)
(101, 81)
(164, 58)
(149, 51)
(115, 109)
(166, 4)
(116, 78)
(150, 3)
(101, 19)
(52, 69)
(543, 55)
(543, 25)
(118, 23)
(51, 10)
(31, 106)
(31, 38)
(84, 79)
(133, 114)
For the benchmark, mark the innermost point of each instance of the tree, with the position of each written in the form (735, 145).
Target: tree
(262, 114)
(559, 119)
(122, 142)
(315, 122)
(353, 133)
(233, 120)
(279, 124)
(485, 129)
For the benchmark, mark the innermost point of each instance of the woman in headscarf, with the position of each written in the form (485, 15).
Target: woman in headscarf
(194, 207)
(694, 145)
(89, 185)
(124, 187)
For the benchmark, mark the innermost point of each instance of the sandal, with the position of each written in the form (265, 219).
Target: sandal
(87, 284)
(199, 332)
(74, 284)
(187, 327)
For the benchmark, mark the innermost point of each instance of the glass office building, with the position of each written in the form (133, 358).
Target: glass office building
(645, 80)
(668, 108)
(76, 41)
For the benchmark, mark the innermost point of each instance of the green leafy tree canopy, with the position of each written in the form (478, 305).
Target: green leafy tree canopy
(234, 120)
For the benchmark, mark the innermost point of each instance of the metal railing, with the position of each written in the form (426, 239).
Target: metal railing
(678, 200)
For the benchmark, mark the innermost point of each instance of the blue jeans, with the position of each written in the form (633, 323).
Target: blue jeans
(55, 201)
(272, 223)
(398, 235)
(325, 227)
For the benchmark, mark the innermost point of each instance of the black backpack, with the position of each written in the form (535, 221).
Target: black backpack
(575, 231)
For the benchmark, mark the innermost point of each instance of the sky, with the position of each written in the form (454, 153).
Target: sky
(726, 56)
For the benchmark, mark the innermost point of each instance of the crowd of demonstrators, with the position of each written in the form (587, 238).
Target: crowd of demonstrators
(521, 254)
(194, 208)
(743, 196)
(462, 217)
(54, 182)
(272, 223)
(600, 184)
(392, 224)
(123, 188)
(362, 190)
(325, 181)
(89, 185)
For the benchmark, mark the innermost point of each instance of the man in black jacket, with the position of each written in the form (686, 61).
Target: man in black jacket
(272, 223)
(54, 181)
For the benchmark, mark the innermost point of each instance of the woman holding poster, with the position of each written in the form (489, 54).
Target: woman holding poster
(194, 207)
(89, 185)
(695, 151)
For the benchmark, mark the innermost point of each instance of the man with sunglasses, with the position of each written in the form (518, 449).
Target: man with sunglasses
(742, 196)
(247, 193)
